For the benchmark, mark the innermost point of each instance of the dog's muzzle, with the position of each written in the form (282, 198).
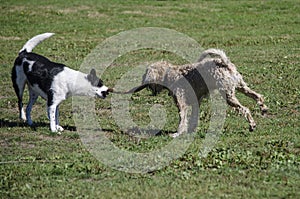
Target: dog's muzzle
(105, 93)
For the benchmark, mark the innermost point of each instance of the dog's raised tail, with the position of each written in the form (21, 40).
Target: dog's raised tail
(34, 41)
(214, 52)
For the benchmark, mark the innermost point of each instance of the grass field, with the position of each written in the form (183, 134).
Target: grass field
(261, 37)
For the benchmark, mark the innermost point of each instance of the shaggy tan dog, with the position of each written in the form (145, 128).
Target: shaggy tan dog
(188, 82)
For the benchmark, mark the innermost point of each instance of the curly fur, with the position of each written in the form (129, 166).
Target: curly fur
(213, 70)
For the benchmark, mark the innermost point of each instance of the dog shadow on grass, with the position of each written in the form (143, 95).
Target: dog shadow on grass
(133, 132)
(146, 133)
(5, 123)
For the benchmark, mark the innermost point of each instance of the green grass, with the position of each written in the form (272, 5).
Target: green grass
(261, 38)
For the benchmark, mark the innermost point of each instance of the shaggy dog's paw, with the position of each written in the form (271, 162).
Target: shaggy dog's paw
(174, 135)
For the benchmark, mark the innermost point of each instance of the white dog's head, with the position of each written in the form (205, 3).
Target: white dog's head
(98, 88)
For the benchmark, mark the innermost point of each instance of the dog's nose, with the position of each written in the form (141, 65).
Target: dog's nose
(104, 93)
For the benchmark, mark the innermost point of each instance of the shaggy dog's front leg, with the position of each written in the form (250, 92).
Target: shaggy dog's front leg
(256, 96)
(234, 102)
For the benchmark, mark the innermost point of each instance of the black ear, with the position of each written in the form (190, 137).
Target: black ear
(93, 72)
(92, 76)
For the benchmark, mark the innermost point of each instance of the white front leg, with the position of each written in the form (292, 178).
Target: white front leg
(52, 113)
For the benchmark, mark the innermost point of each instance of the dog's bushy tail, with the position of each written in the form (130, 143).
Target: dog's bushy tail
(33, 42)
(214, 52)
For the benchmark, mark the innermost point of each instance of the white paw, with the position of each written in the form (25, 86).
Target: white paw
(59, 128)
(23, 115)
(23, 118)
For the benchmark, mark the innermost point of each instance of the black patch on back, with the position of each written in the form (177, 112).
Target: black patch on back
(26, 66)
(18, 61)
(42, 72)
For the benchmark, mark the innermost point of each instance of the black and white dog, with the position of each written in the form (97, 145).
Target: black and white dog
(52, 81)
